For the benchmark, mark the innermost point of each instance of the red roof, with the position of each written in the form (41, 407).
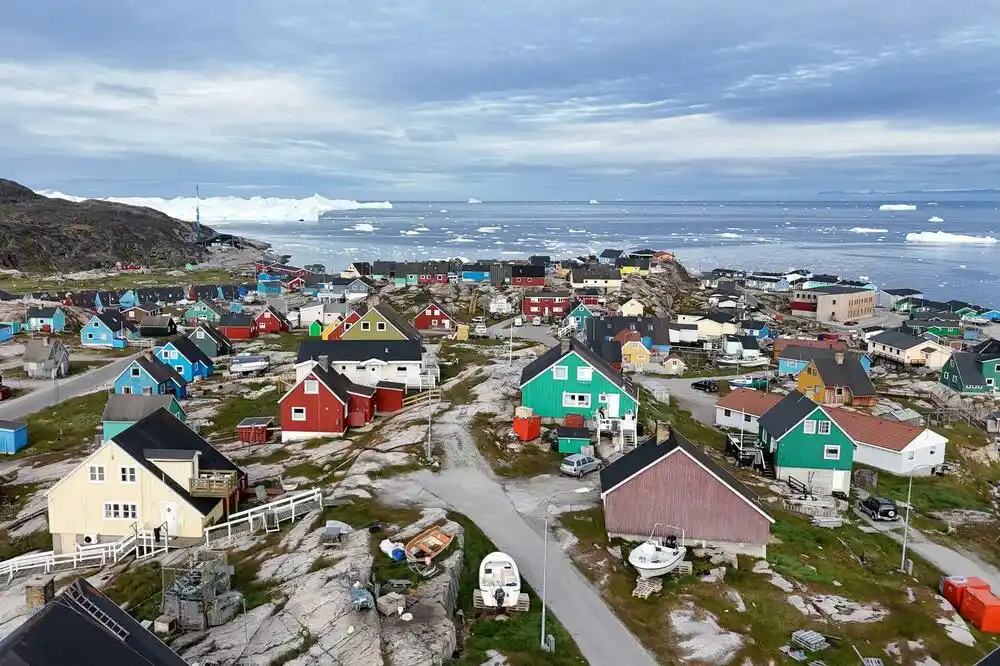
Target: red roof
(867, 429)
(749, 401)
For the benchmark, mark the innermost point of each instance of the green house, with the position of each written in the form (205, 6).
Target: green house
(804, 443)
(204, 310)
(316, 329)
(578, 316)
(123, 411)
(574, 380)
(972, 374)
(572, 440)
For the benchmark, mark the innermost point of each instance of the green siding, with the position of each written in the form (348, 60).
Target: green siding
(797, 449)
(572, 444)
(544, 393)
(113, 428)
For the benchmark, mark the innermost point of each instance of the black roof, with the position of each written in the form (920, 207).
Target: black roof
(40, 313)
(748, 342)
(133, 407)
(969, 368)
(651, 451)
(641, 262)
(611, 254)
(988, 346)
(820, 277)
(556, 352)
(836, 289)
(904, 291)
(190, 350)
(657, 328)
(235, 319)
(896, 339)
(719, 317)
(341, 386)
(363, 267)
(154, 323)
(575, 433)
(752, 325)
(596, 272)
(158, 370)
(609, 350)
(360, 350)
(645, 252)
(7, 296)
(539, 365)
(527, 271)
(992, 659)
(67, 631)
(212, 332)
(782, 417)
(11, 425)
(850, 373)
(540, 259)
(114, 320)
(162, 431)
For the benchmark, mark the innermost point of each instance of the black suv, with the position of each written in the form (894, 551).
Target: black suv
(706, 385)
(879, 508)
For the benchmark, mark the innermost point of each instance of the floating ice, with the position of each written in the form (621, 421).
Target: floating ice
(897, 207)
(729, 234)
(461, 239)
(942, 237)
(488, 230)
(935, 219)
(473, 200)
(225, 209)
(421, 229)
(443, 210)
(594, 201)
(409, 232)
(577, 231)
(361, 226)
(867, 230)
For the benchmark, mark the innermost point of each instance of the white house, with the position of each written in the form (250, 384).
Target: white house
(740, 408)
(891, 446)
(710, 326)
(368, 362)
(743, 346)
(632, 308)
(602, 277)
(682, 333)
(325, 313)
(499, 305)
(907, 350)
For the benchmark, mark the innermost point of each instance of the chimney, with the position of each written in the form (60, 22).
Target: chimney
(323, 362)
(662, 431)
(38, 591)
(839, 356)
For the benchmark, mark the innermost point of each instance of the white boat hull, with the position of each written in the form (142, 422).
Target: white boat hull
(743, 362)
(499, 582)
(652, 560)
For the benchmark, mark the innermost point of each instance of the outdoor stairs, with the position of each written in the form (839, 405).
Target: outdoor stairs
(767, 470)
(267, 517)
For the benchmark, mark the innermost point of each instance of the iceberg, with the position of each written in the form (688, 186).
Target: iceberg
(944, 238)
(232, 209)
(729, 234)
(867, 230)
(361, 226)
(897, 207)
(594, 201)
(473, 200)
(488, 230)
(421, 229)
(935, 219)
(408, 232)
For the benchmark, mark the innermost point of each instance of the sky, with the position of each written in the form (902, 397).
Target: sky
(513, 100)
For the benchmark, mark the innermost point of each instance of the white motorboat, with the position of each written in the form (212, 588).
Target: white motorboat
(499, 585)
(757, 362)
(652, 559)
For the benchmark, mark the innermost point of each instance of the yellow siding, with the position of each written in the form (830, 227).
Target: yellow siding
(635, 354)
(632, 308)
(181, 471)
(76, 505)
(810, 384)
(373, 318)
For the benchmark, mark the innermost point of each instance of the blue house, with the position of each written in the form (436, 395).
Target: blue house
(6, 332)
(185, 358)
(127, 300)
(795, 358)
(108, 329)
(755, 329)
(476, 273)
(654, 332)
(49, 320)
(13, 436)
(268, 285)
(146, 375)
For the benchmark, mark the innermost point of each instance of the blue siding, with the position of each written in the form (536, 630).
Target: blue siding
(475, 276)
(96, 333)
(142, 384)
(56, 323)
(184, 366)
(6, 333)
(12, 441)
(789, 366)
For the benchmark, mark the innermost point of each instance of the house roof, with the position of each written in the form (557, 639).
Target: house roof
(719, 317)
(527, 271)
(609, 350)
(159, 371)
(441, 308)
(211, 331)
(781, 345)
(573, 433)
(596, 272)
(786, 414)
(645, 252)
(162, 431)
(970, 368)
(40, 313)
(651, 451)
(235, 319)
(897, 339)
(115, 321)
(338, 384)
(540, 364)
(988, 346)
(656, 328)
(867, 429)
(748, 342)
(850, 373)
(274, 313)
(397, 321)
(255, 421)
(611, 254)
(904, 291)
(749, 401)
(190, 350)
(753, 325)
(639, 262)
(133, 407)
(360, 350)
(156, 321)
(37, 351)
(833, 290)
(67, 630)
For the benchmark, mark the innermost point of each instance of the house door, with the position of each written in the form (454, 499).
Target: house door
(373, 373)
(613, 406)
(168, 516)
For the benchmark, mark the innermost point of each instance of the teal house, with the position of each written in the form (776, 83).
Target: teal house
(47, 320)
(574, 380)
(108, 329)
(204, 310)
(572, 440)
(187, 360)
(972, 374)
(146, 375)
(803, 443)
(123, 411)
(578, 316)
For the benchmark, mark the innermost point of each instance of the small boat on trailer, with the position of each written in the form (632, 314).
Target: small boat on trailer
(755, 381)
(652, 559)
(499, 585)
(758, 362)
(423, 548)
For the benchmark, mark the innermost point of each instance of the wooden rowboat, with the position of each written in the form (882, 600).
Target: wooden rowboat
(427, 545)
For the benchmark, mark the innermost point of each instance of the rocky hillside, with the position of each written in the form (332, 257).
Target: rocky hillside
(38, 233)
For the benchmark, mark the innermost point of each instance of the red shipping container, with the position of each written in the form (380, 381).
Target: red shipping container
(954, 587)
(982, 609)
(527, 428)
(573, 421)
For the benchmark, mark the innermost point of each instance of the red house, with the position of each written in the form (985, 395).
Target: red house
(527, 276)
(546, 304)
(270, 320)
(293, 283)
(238, 326)
(324, 403)
(281, 269)
(590, 297)
(434, 318)
(432, 278)
(352, 318)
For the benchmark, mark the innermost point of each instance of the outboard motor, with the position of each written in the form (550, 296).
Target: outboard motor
(499, 597)
(670, 541)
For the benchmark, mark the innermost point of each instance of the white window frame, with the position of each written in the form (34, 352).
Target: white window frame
(576, 403)
(910, 455)
(96, 474)
(824, 427)
(809, 427)
(366, 326)
(121, 511)
(560, 372)
(828, 449)
(602, 399)
(200, 334)
(584, 374)
(310, 387)
(946, 374)
(299, 414)
(136, 372)
(380, 326)
(128, 474)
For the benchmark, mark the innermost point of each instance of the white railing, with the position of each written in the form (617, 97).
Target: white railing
(268, 516)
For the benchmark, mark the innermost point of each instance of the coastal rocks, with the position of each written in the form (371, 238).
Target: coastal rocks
(954, 625)
(702, 640)
(782, 583)
(840, 609)
(737, 601)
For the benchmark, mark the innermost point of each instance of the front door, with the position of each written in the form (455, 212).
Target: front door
(168, 516)
(613, 406)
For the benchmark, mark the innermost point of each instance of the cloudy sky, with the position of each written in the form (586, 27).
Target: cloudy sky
(567, 99)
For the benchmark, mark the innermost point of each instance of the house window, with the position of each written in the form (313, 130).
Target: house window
(126, 390)
(311, 386)
(946, 374)
(97, 473)
(909, 455)
(560, 372)
(584, 374)
(840, 391)
(343, 368)
(831, 452)
(727, 412)
(428, 311)
(136, 372)
(824, 427)
(298, 413)
(366, 326)
(576, 400)
(401, 368)
(90, 336)
(380, 326)
(120, 511)
(127, 474)
(200, 334)
(989, 381)
(602, 398)
(746, 418)
(809, 427)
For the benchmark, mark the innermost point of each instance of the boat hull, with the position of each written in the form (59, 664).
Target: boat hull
(652, 560)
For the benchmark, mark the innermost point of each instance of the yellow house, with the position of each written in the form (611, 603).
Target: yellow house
(633, 266)
(156, 474)
(635, 355)
(632, 308)
(381, 322)
(331, 328)
(674, 365)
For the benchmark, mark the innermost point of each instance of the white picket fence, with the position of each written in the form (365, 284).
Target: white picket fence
(266, 516)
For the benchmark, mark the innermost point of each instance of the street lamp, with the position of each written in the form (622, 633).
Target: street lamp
(545, 548)
(906, 521)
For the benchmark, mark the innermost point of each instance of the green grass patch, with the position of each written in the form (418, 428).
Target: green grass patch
(461, 393)
(64, 429)
(237, 408)
(138, 590)
(395, 470)
(681, 419)
(275, 456)
(21, 545)
(936, 493)
(286, 340)
(78, 367)
(14, 497)
(308, 470)
(519, 638)
(529, 460)
(155, 278)
(455, 356)
(713, 371)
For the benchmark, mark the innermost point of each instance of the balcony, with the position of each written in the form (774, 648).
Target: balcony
(214, 484)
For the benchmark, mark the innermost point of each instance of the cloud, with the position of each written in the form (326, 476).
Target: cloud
(425, 99)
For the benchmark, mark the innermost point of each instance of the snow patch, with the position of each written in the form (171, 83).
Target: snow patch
(594, 202)
(867, 230)
(897, 207)
(944, 238)
(577, 231)
(410, 232)
(461, 239)
(935, 219)
(226, 209)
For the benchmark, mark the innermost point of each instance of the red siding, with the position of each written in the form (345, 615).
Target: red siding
(324, 411)
(360, 410)
(678, 491)
(589, 300)
(268, 323)
(389, 400)
(803, 306)
(528, 281)
(545, 306)
(440, 278)
(254, 434)
(239, 332)
(433, 321)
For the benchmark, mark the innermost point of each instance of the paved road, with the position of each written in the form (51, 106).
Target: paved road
(540, 334)
(700, 403)
(41, 398)
(600, 635)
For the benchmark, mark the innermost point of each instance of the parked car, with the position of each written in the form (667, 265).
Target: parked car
(850, 323)
(478, 320)
(879, 508)
(480, 329)
(706, 385)
(579, 465)
(518, 321)
(536, 321)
